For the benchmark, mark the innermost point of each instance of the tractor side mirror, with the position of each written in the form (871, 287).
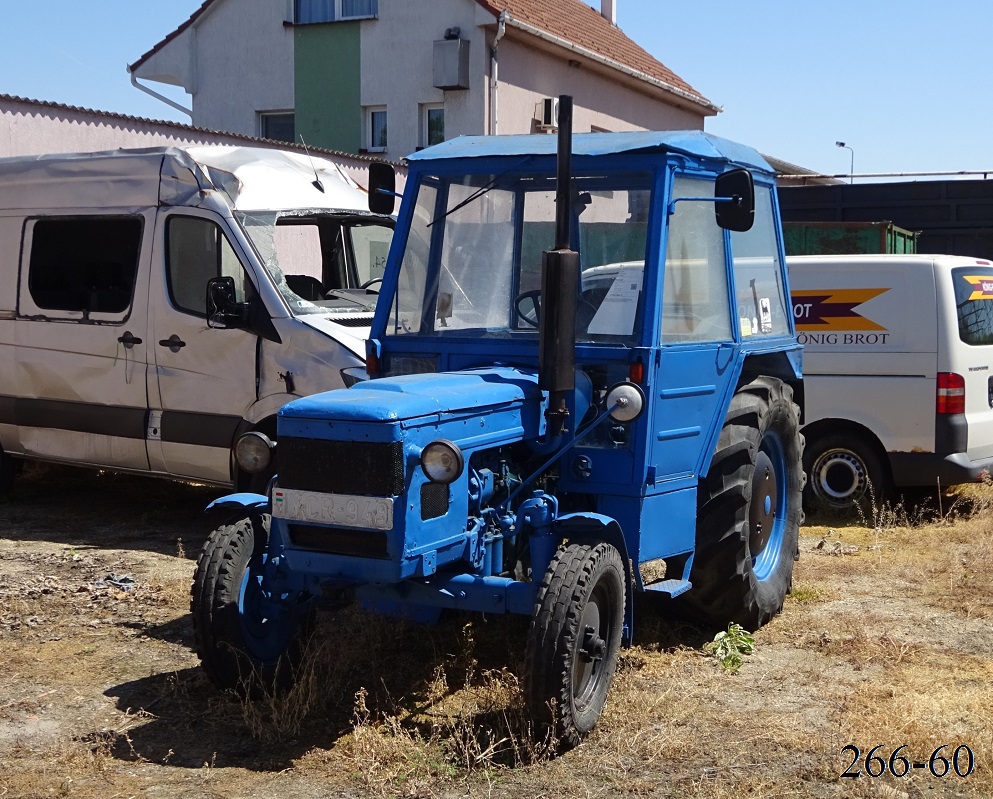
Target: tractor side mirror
(382, 188)
(735, 195)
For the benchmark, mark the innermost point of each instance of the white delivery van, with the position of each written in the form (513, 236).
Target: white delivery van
(898, 372)
(157, 303)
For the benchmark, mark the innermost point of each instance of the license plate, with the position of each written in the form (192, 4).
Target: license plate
(338, 510)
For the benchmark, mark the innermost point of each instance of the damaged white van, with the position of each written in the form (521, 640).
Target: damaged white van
(155, 304)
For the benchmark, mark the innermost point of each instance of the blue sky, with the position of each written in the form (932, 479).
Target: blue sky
(908, 85)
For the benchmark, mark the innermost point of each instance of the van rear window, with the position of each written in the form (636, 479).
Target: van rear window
(974, 303)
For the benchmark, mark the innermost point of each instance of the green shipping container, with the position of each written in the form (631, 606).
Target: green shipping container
(848, 238)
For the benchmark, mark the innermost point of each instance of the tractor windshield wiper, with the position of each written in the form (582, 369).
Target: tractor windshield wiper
(482, 190)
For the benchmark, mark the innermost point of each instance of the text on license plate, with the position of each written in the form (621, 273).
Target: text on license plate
(340, 510)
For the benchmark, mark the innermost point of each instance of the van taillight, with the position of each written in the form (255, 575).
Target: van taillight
(950, 397)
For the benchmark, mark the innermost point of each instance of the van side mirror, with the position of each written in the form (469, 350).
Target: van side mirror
(382, 188)
(735, 195)
(223, 308)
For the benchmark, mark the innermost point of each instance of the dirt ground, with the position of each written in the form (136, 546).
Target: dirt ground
(886, 641)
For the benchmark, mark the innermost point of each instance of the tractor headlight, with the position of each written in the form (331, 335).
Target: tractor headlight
(253, 452)
(442, 462)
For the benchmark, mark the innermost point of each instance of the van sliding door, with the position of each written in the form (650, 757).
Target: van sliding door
(79, 392)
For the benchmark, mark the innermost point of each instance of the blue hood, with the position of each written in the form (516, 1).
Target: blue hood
(412, 396)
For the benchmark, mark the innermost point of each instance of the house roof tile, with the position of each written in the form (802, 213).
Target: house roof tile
(578, 23)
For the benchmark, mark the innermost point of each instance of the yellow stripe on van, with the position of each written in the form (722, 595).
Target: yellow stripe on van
(833, 309)
(983, 287)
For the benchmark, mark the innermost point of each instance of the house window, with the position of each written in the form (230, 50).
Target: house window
(278, 126)
(309, 11)
(84, 264)
(376, 129)
(432, 124)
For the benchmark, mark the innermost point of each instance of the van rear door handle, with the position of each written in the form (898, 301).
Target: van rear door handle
(128, 340)
(174, 343)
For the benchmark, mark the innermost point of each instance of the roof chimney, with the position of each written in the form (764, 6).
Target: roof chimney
(608, 8)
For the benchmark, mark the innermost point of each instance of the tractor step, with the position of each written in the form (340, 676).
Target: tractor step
(671, 587)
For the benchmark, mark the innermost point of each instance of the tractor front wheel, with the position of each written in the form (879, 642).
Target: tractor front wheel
(247, 639)
(574, 640)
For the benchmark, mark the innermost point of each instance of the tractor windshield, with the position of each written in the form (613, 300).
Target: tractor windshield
(472, 263)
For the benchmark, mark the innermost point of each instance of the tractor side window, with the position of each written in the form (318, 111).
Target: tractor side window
(198, 251)
(758, 274)
(408, 307)
(695, 304)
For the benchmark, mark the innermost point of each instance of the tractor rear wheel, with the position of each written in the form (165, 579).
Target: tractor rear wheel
(749, 510)
(246, 639)
(574, 640)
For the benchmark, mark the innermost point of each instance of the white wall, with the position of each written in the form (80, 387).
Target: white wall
(236, 60)
(247, 66)
(398, 68)
(528, 74)
(31, 127)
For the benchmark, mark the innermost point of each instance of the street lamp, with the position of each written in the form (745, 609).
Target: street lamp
(851, 171)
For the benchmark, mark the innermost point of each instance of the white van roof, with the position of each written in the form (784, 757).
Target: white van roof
(251, 178)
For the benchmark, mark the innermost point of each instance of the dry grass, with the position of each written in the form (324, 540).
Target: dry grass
(885, 640)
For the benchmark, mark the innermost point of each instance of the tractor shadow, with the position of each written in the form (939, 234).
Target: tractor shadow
(452, 684)
(456, 685)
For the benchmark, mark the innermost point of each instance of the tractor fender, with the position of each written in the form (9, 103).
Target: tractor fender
(589, 527)
(241, 501)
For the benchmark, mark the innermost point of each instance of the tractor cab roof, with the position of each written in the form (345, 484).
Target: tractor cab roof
(693, 143)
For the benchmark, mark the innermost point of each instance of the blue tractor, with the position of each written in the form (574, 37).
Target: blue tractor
(584, 383)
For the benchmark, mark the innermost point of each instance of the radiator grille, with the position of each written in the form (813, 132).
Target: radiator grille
(352, 321)
(434, 500)
(339, 541)
(341, 467)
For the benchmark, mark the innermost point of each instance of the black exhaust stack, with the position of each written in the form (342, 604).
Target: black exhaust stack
(559, 290)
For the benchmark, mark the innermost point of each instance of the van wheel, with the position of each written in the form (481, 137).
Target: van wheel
(574, 640)
(845, 475)
(247, 638)
(749, 510)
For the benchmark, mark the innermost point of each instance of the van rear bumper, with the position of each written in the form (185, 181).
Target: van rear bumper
(927, 468)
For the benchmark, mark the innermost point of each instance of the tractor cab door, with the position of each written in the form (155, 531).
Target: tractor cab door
(696, 357)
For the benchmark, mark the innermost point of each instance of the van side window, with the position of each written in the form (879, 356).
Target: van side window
(197, 250)
(84, 264)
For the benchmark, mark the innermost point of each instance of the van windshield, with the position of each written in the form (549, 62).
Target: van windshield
(321, 261)
(974, 303)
